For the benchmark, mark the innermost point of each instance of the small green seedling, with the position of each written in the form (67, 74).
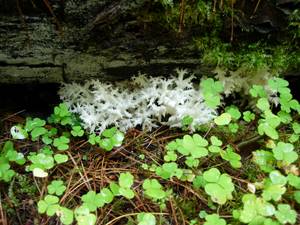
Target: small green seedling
(263, 104)
(294, 181)
(234, 112)
(61, 115)
(170, 156)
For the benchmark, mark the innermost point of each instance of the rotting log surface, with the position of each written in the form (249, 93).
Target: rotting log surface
(53, 41)
(90, 39)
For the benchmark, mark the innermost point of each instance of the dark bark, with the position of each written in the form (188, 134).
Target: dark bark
(72, 40)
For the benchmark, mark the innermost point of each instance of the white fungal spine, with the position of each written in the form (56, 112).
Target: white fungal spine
(142, 101)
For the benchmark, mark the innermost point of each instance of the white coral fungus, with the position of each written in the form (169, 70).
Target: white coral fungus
(142, 101)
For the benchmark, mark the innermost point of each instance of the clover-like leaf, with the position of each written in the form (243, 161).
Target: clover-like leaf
(66, 215)
(61, 143)
(186, 121)
(211, 92)
(294, 180)
(287, 102)
(296, 127)
(93, 139)
(117, 139)
(296, 196)
(11, 154)
(274, 187)
(279, 85)
(125, 183)
(284, 117)
(263, 104)
(56, 187)
(61, 110)
(268, 125)
(194, 145)
(17, 132)
(254, 207)
(38, 131)
(38, 172)
(106, 144)
(248, 116)
(223, 119)
(233, 158)
(257, 91)
(48, 205)
(285, 153)
(285, 214)
(146, 219)
(60, 158)
(234, 112)
(92, 201)
(84, 217)
(168, 170)
(114, 188)
(41, 160)
(77, 131)
(34, 123)
(192, 162)
(153, 189)
(264, 159)
(6, 173)
(170, 156)
(215, 141)
(106, 195)
(214, 219)
(126, 180)
(219, 186)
